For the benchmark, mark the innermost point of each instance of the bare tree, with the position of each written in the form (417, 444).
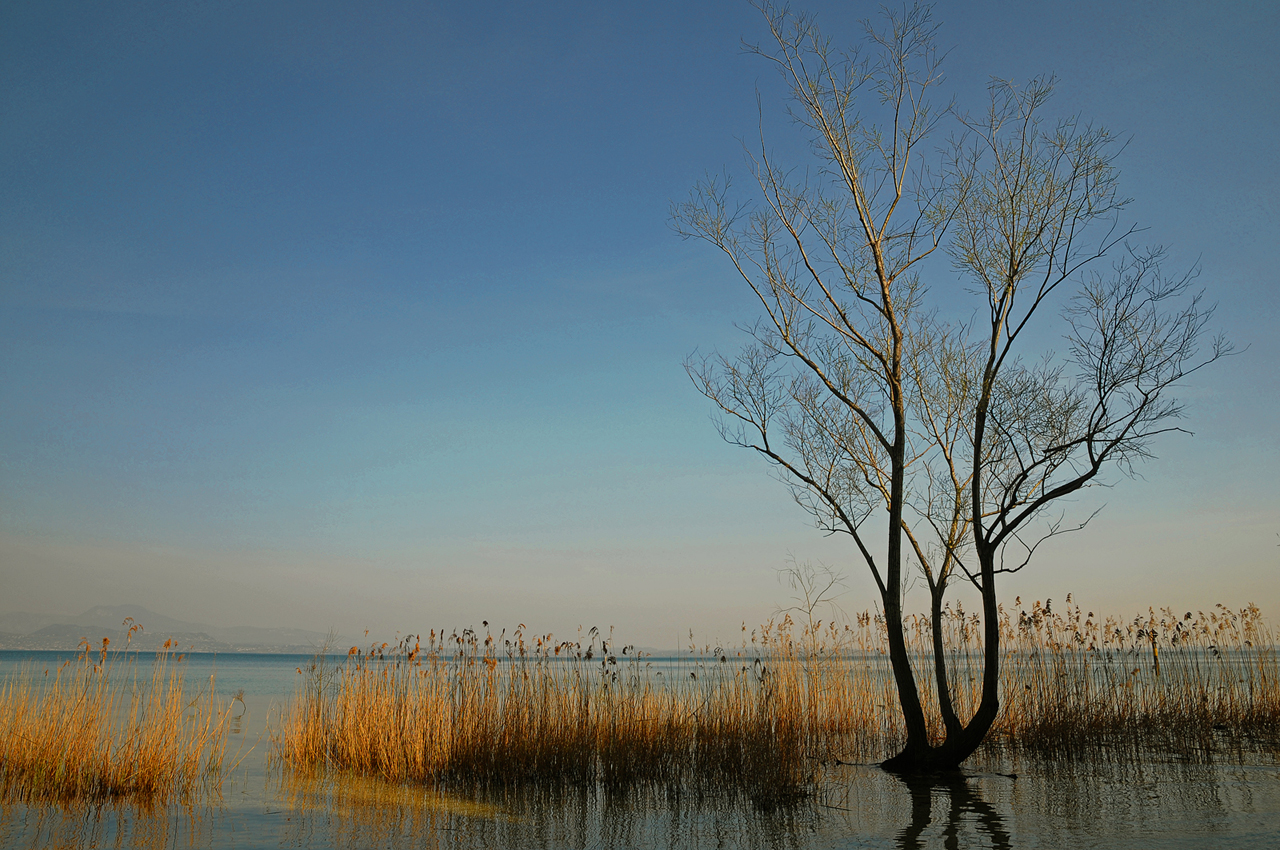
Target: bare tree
(953, 438)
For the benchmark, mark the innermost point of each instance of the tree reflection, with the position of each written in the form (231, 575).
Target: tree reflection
(961, 802)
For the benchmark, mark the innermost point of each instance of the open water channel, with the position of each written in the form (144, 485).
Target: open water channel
(1154, 803)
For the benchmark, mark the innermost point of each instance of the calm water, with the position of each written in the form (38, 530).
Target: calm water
(1158, 803)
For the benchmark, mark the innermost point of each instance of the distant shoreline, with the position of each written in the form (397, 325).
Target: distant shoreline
(20, 643)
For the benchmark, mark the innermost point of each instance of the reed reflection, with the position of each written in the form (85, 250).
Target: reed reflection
(351, 811)
(962, 803)
(103, 825)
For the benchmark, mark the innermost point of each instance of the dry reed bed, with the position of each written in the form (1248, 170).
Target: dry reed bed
(487, 710)
(1189, 683)
(99, 729)
(473, 708)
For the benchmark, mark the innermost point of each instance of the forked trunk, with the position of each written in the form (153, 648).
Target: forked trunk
(918, 755)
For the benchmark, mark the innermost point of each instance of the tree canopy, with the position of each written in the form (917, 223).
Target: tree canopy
(949, 436)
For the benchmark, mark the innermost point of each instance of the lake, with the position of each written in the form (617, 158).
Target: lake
(1001, 801)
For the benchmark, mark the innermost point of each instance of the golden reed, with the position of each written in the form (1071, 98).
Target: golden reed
(97, 729)
(479, 709)
(476, 709)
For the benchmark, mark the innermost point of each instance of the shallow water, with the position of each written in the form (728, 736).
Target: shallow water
(1152, 803)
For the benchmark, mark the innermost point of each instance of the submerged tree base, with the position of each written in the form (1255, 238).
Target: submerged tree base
(921, 763)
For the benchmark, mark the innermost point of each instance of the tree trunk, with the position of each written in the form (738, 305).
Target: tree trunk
(918, 756)
(917, 745)
(908, 694)
(945, 705)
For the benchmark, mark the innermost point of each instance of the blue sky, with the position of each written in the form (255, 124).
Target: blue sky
(354, 316)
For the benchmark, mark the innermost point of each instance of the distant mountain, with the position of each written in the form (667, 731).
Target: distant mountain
(20, 630)
(113, 617)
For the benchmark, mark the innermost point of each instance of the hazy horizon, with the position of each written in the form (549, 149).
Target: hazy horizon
(335, 317)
